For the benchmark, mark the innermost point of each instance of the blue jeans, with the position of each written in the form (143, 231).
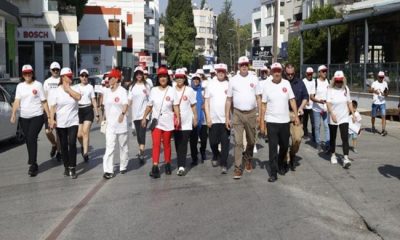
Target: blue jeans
(317, 121)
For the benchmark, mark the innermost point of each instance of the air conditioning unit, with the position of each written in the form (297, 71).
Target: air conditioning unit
(96, 59)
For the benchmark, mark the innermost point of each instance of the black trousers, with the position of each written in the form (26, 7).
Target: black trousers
(31, 128)
(278, 135)
(181, 146)
(140, 132)
(344, 135)
(201, 131)
(68, 145)
(219, 134)
(308, 114)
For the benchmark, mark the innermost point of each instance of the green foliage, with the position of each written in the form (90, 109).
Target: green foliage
(203, 2)
(245, 38)
(78, 4)
(225, 22)
(294, 51)
(180, 33)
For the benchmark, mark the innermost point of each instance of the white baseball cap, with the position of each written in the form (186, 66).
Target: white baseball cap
(200, 71)
(170, 72)
(339, 75)
(264, 69)
(180, 73)
(184, 69)
(54, 65)
(138, 68)
(27, 68)
(212, 70)
(381, 74)
(322, 67)
(309, 70)
(196, 76)
(243, 60)
(276, 66)
(84, 71)
(145, 72)
(66, 71)
(221, 66)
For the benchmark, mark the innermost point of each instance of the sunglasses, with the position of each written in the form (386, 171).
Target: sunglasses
(309, 74)
(290, 74)
(84, 75)
(276, 71)
(27, 73)
(324, 71)
(55, 70)
(242, 65)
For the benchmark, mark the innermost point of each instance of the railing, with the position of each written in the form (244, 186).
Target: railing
(355, 74)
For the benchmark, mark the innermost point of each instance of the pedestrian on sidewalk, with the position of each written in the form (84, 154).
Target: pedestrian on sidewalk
(185, 100)
(138, 98)
(115, 100)
(319, 109)
(309, 82)
(244, 95)
(215, 98)
(296, 130)
(354, 128)
(339, 107)
(161, 105)
(380, 91)
(31, 101)
(275, 111)
(49, 86)
(64, 118)
(87, 112)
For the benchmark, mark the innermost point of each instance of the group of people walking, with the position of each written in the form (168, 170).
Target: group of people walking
(278, 104)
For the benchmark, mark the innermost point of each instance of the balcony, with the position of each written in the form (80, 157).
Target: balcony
(148, 12)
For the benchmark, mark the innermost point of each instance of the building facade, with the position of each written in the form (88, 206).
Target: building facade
(119, 33)
(205, 22)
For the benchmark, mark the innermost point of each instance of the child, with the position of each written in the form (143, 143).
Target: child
(354, 127)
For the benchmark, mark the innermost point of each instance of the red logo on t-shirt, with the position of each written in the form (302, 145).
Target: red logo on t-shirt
(345, 94)
(34, 91)
(284, 90)
(167, 98)
(252, 85)
(116, 99)
(145, 91)
(226, 92)
(185, 98)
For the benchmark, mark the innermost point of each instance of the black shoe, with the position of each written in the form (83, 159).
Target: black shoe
(53, 151)
(123, 171)
(82, 151)
(86, 158)
(272, 179)
(292, 166)
(141, 158)
(155, 172)
(58, 157)
(194, 163)
(33, 170)
(383, 133)
(72, 173)
(107, 176)
(283, 170)
(168, 170)
(203, 156)
(66, 172)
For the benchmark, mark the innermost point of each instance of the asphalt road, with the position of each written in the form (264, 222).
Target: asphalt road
(318, 201)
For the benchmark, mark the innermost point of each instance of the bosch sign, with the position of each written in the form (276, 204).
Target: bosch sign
(36, 34)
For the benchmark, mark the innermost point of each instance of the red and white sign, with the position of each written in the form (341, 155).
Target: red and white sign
(145, 59)
(36, 34)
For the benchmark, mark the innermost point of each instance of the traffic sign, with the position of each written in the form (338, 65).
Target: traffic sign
(258, 64)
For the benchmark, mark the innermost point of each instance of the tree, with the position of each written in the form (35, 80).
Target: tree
(245, 38)
(203, 3)
(180, 33)
(226, 38)
(78, 4)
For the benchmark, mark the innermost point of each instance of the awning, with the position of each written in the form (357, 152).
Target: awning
(10, 12)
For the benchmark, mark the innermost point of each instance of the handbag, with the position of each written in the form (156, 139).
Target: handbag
(179, 125)
(103, 126)
(154, 121)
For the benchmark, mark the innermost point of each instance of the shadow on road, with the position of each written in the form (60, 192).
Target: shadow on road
(95, 158)
(9, 144)
(390, 171)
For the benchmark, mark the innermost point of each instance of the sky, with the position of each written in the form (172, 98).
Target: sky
(242, 9)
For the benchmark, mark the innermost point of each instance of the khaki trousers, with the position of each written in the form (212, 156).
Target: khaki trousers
(296, 134)
(244, 123)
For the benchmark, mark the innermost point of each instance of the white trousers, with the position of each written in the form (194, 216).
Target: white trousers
(108, 158)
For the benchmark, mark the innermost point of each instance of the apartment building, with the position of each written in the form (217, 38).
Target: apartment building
(205, 22)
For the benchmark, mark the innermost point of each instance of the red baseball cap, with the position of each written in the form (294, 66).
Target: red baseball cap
(162, 71)
(115, 73)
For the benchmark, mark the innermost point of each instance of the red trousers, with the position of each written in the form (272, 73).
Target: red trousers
(158, 135)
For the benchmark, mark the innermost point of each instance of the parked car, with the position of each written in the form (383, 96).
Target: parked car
(10, 85)
(7, 129)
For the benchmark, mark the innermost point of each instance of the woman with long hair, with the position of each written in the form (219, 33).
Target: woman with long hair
(138, 97)
(339, 107)
(161, 105)
(86, 112)
(64, 117)
(31, 100)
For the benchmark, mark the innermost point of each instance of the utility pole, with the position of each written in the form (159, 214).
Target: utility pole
(276, 30)
(238, 37)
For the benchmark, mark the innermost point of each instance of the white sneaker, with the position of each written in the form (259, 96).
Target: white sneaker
(181, 171)
(346, 162)
(333, 159)
(255, 149)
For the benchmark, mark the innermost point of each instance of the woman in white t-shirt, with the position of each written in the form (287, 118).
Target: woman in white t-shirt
(64, 117)
(339, 106)
(161, 105)
(138, 96)
(185, 99)
(115, 100)
(31, 100)
(86, 112)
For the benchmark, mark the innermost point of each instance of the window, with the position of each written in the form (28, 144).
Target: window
(269, 29)
(202, 30)
(257, 23)
(202, 19)
(282, 4)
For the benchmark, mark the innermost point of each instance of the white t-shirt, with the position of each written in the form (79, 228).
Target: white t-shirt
(354, 127)
(277, 97)
(379, 98)
(31, 97)
(166, 119)
(50, 85)
(320, 94)
(339, 98)
(66, 108)
(243, 90)
(310, 85)
(114, 102)
(217, 94)
(150, 83)
(87, 93)
(204, 83)
(188, 99)
(139, 95)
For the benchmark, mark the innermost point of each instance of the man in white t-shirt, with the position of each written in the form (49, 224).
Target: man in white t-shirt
(308, 112)
(244, 95)
(49, 86)
(275, 111)
(380, 90)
